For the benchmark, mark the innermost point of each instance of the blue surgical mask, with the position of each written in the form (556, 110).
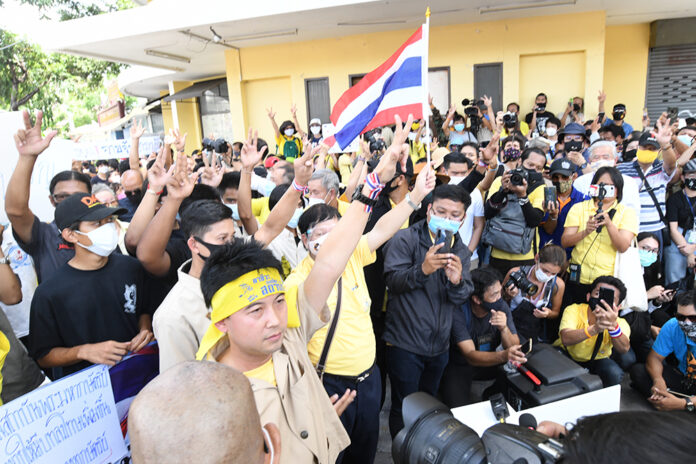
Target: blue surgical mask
(235, 210)
(459, 127)
(685, 139)
(292, 223)
(647, 258)
(439, 223)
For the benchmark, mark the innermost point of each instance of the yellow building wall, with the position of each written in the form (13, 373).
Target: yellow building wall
(263, 94)
(626, 69)
(188, 117)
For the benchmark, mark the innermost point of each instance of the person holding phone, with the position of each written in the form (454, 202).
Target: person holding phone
(597, 236)
(562, 175)
(592, 330)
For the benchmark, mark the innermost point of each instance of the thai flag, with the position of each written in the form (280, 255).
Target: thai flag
(398, 86)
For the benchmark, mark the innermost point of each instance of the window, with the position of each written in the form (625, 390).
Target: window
(317, 97)
(215, 112)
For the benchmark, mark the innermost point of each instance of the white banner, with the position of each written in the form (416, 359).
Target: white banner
(72, 420)
(109, 149)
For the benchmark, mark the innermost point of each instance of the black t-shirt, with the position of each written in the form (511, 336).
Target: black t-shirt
(466, 326)
(679, 210)
(47, 248)
(98, 180)
(540, 120)
(75, 307)
(179, 253)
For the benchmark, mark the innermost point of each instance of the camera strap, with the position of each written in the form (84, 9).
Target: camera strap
(321, 365)
(597, 345)
(649, 189)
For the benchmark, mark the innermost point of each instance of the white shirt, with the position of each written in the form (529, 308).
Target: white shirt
(22, 265)
(475, 209)
(630, 197)
(284, 246)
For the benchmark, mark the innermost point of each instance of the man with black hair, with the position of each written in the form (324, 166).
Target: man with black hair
(425, 287)
(182, 318)
(96, 308)
(539, 115)
(479, 327)
(590, 331)
(517, 202)
(656, 378)
(42, 241)
(103, 171)
(457, 166)
(132, 182)
(262, 328)
(350, 363)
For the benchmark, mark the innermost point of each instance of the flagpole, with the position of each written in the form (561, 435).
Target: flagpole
(426, 106)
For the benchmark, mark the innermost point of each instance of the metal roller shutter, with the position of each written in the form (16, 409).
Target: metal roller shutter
(671, 80)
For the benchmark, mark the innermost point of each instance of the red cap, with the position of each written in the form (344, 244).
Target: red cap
(271, 161)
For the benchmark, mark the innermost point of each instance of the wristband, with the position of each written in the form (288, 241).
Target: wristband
(616, 333)
(374, 186)
(492, 168)
(482, 164)
(361, 159)
(587, 332)
(154, 193)
(298, 187)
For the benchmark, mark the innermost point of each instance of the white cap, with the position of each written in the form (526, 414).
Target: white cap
(315, 121)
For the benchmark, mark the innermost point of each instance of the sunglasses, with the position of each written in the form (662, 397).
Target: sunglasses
(683, 317)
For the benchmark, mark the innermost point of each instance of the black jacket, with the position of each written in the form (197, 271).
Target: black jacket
(420, 307)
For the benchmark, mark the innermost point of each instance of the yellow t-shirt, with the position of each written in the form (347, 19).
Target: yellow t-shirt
(595, 253)
(536, 198)
(575, 317)
(264, 372)
(260, 209)
(345, 167)
(405, 224)
(4, 349)
(417, 151)
(352, 350)
(342, 207)
(281, 140)
(524, 128)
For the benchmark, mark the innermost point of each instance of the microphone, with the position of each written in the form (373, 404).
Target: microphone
(527, 420)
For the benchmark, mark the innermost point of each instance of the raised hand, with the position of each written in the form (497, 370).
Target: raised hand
(664, 132)
(158, 175)
(293, 110)
(29, 141)
(271, 113)
(136, 130)
(212, 172)
(451, 111)
(179, 141)
(430, 100)
(181, 183)
(488, 101)
(397, 152)
(602, 97)
(304, 164)
(249, 155)
(425, 183)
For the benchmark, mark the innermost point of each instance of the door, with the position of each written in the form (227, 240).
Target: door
(488, 80)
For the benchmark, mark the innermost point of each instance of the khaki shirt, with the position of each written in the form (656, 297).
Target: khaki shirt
(310, 430)
(180, 321)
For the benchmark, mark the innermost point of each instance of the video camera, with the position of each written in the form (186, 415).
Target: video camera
(432, 435)
(208, 144)
(520, 280)
(220, 146)
(473, 110)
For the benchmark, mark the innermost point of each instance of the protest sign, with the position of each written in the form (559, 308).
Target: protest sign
(110, 149)
(72, 420)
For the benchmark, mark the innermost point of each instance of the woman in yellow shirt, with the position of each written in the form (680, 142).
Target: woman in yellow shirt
(597, 235)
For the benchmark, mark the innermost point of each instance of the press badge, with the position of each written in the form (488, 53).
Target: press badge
(691, 236)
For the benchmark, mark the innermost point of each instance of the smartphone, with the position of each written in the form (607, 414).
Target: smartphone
(526, 348)
(600, 117)
(672, 286)
(574, 273)
(549, 195)
(673, 114)
(607, 294)
(444, 237)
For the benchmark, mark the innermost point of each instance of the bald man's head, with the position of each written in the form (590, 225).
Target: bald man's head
(200, 412)
(131, 180)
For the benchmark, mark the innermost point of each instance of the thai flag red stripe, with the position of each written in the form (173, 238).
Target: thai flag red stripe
(386, 117)
(369, 79)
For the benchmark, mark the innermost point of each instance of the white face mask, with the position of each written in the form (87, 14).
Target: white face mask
(292, 223)
(314, 245)
(454, 180)
(103, 169)
(314, 201)
(540, 275)
(551, 131)
(289, 132)
(315, 129)
(235, 210)
(104, 239)
(601, 163)
(412, 136)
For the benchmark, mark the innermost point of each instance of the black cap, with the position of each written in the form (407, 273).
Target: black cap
(82, 207)
(562, 166)
(648, 140)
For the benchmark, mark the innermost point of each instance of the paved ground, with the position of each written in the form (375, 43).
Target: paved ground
(630, 401)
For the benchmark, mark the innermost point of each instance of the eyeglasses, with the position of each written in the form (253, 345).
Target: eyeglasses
(651, 250)
(684, 317)
(61, 196)
(576, 138)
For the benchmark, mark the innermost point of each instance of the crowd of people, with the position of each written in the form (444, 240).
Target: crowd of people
(318, 274)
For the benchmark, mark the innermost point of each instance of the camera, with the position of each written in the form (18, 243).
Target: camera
(208, 144)
(473, 110)
(432, 435)
(510, 119)
(518, 176)
(220, 146)
(520, 280)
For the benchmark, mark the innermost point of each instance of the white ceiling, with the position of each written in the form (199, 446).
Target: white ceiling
(124, 36)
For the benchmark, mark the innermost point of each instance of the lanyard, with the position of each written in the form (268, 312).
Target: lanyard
(691, 207)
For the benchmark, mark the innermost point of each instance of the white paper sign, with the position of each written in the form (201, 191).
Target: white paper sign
(72, 420)
(328, 129)
(109, 149)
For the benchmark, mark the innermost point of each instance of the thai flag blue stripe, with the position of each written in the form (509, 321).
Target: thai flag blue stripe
(408, 75)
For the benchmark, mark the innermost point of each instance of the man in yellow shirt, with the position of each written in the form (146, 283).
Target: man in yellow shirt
(590, 331)
(350, 361)
(514, 211)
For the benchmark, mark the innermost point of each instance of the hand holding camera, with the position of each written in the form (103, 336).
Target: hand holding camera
(515, 181)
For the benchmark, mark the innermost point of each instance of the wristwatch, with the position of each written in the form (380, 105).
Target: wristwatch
(4, 260)
(689, 405)
(523, 201)
(411, 203)
(358, 196)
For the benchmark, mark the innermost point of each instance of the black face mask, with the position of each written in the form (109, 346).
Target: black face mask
(498, 305)
(576, 107)
(135, 196)
(211, 247)
(593, 303)
(690, 183)
(573, 145)
(618, 115)
(388, 187)
(533, 177)
(629, 155)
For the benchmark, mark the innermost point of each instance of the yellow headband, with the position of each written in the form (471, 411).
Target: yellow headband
(239, 294)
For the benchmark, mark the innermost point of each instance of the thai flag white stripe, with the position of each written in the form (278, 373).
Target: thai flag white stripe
(401, 97)
(374, 91)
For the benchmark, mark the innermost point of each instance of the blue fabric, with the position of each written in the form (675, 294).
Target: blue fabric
(672, 340)
(626, 126)
(555, 238)
(607, 369)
